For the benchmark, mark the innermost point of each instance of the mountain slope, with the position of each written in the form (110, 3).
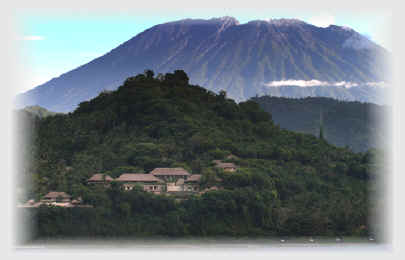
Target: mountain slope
(353, 124)
(222, 54)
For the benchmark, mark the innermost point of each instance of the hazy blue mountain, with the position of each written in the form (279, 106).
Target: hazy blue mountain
(222, 54)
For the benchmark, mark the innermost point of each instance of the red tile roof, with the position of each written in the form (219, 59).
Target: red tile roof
(209, 189)
(55, 194)
(138, 177)
(231, 156)
(194, 178)
(226, 165)
(99, 177)
(169, 171)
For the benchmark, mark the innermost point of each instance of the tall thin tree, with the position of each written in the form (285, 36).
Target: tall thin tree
(321, 125)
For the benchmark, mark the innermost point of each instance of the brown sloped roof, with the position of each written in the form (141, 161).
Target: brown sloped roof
(231, 156)
(226, 165)
(56, 194)
(209, 189)
(99, 177)
(216, 161)
(194, 178)
(138, 177)
(169, 171)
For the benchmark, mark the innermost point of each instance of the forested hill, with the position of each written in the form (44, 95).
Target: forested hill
(39, 111)
(353, 124)
(288, 183)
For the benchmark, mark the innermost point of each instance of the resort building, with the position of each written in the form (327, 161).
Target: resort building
(159, 181)
(100, 178)
(148, 182)
(228, 167)
(30, 204)
(56, 197)
(210, 189)
(170, 174)
(192, 183)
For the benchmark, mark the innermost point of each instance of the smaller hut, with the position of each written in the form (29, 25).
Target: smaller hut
(192, 183)
(100, 178)
(55, 196)
(228, 167)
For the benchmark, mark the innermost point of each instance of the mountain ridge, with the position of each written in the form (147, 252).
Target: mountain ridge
(221, 54)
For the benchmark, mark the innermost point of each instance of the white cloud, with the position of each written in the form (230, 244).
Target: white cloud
(322, 20)
(346, 84)
(298, 83)
(314, 82)
(380, 84)
(33, 38)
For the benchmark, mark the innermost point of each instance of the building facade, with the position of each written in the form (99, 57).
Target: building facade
(160, 180)
(148, 182)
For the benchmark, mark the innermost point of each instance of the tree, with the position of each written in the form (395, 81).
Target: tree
(149, 74)
(222, 94)
(320, 126)
(181, 77)
(151, 123)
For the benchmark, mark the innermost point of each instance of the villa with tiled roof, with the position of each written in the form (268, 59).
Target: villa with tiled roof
(147, 181)
(170, 174)
(160, 180)
(99, 178)
(54, 196)
(228, 167)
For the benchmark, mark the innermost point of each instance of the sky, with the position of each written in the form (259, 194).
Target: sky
(51, 43)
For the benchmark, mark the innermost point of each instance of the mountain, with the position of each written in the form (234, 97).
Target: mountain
(287, 184)
(353, 124)
(245, 60)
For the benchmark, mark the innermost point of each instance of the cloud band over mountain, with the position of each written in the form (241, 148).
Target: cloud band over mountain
(315, 83)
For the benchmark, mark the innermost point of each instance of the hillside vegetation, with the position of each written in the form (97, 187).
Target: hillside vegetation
(353, 124)
(288, 183)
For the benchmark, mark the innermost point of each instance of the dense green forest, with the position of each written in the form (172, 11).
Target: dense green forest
(354, 124)
(288, 183)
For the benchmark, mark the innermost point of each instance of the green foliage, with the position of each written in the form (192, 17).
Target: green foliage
(287, 183)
